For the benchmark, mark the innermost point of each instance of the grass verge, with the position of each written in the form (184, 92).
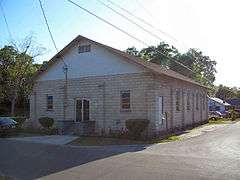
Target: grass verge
(102, 141)
(220, 121)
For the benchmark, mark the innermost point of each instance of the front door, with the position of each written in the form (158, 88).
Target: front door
(82, 110)
(160, 109)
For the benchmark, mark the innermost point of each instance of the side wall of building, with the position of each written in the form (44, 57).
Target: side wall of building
(189, 113)
(104, 95)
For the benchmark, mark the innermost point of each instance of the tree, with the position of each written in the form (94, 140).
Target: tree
(224, 92)
(16, 68)
(192, 64)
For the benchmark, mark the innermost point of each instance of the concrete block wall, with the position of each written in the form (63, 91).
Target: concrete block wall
(104, 95)
(105, 108)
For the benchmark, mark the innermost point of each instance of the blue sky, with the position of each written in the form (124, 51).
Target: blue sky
(208, 25)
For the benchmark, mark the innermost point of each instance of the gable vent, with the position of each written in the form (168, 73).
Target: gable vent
(84, 48)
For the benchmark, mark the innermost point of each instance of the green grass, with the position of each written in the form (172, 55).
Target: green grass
(219, 121)
(170, 139)
(102, 141)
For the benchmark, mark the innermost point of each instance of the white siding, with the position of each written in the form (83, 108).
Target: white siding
(98, 62)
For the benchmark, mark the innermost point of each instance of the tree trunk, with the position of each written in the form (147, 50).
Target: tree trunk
(13, 102)
(13, 107)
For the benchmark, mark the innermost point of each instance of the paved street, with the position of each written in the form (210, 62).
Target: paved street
(212, 155)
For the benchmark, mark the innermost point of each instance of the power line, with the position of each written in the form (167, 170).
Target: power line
(46, 22)
(142, 20)
(131, 21)
(123, 31)
(5, 19)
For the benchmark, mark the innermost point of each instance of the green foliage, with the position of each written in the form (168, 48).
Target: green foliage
(46, 122)
(136, 126)
(170, 139)
(224, 92)
(16, 68)
(235, 115)
(203, 67)
(19, 120)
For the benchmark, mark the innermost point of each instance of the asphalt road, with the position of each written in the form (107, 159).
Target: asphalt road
(213, 155)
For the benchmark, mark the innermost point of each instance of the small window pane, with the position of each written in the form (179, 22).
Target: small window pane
(125, 99)
(87, 48)
(85, 110)
(49, 102)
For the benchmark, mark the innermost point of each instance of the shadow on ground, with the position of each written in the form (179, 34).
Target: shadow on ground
(25, 160)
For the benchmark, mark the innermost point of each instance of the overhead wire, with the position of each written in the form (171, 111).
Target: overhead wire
(123, 31)
(143, 21)
(6, 22)
(130, 35)
(48, 27)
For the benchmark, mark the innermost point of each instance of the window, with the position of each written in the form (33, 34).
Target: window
(197, 101)
(178, 100)
(188, 101)
(49, 102)
(82, 110)
(125, 100)
(84, 48)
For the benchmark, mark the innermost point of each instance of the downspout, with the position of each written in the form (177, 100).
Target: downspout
(65, 93)
(201, 107)
(183, 109)
(65, 70)
(193, 109)
(35, 107)
(103, 87)
(104, 107)
(171, 112)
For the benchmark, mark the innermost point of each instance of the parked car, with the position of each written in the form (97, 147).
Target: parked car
(214, 115)
(7, 126)
(226, 114)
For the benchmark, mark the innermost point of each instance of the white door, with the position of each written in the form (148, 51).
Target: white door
(160, 110)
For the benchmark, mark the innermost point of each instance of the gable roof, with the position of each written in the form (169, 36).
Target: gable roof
(157, 69)
(220, 101)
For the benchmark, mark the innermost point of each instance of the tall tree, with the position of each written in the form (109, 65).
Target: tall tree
(224, 92)
(197, 66)
(16, 67)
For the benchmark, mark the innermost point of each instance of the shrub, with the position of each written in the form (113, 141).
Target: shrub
(19, 120)
(46, 122)
(136, 126)
(235, 114)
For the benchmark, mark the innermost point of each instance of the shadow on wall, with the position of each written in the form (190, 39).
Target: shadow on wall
(31, 160)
